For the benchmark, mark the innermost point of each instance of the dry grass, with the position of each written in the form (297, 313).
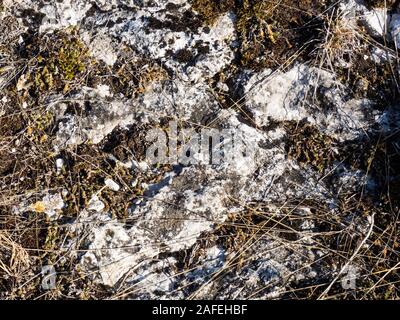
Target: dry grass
(30, 240)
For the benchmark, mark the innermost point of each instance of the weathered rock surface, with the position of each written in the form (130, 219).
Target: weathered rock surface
(187, 205)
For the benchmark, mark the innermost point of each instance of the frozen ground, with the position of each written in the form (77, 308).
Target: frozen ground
(308, 200)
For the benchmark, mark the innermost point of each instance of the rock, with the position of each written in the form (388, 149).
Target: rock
(63, 14)
(292, 96)
(95, 204)
(112, 185)
(377, 21)
(59, 165)
(51, 205)
(248, 226)
(395, 29)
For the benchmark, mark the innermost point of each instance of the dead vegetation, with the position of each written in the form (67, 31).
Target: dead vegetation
(211, 10)
(342, 234)
(381, 3)
(307, 145)
(364, 63)
(346, 50)
(44, 66)
(271, 34)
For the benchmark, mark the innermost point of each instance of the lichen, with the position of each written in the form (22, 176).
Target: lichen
(243, 229)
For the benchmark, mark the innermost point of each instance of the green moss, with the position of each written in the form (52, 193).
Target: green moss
(71, 58)
(61, 59)
(39, 126)
(44, 79)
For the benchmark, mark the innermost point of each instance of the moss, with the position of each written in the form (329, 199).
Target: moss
(61, 63)
(39, 127)
(58, 61)
(365, 78)
(269, 32)
(210, 10)
(151, 74)
(256, 30)
(128, 76)
(71, 57)
(379, 3)
(309, 146)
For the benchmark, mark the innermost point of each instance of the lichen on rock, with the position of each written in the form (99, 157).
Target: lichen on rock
(299, 101)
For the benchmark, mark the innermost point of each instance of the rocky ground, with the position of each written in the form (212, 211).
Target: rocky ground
(308, 205)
